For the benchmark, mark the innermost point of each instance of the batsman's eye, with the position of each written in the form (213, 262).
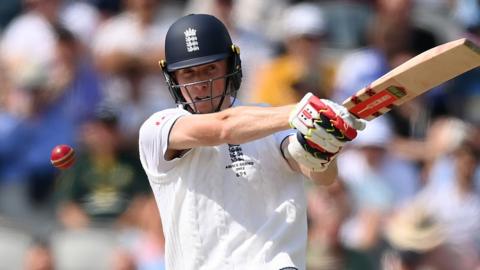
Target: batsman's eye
(211, 69)
(186, 75)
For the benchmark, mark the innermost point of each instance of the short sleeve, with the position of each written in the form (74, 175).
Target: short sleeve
(153, 141)
(280, 136)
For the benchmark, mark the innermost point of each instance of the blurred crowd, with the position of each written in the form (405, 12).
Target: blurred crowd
(84, 73)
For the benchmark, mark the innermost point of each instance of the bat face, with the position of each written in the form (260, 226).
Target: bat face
(414, 77)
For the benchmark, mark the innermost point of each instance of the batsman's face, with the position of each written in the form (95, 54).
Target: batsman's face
(203, 86)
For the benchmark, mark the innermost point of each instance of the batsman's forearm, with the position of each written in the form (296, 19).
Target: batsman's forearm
(234, 126)
(243, 124)
(326, 177)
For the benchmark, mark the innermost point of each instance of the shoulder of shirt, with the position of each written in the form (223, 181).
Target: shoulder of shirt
(163, 115)
(170, 112)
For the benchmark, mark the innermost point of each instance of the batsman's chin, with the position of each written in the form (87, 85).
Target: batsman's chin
(200, 110)
(206, 106)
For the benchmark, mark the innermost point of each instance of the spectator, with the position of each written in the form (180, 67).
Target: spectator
(377, 182)
(48, 98)
(327, 210)
(392, 39)
(300, 69)
(144, 242)
(127, 48)
(251, 15)
(456, 200)
(416, 240)
(103, 183)
(444, 135)
(256, 50)
(39, 257)
(462, 98)
(82, 18)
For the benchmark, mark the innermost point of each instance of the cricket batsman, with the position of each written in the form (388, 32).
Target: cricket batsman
(229, 179)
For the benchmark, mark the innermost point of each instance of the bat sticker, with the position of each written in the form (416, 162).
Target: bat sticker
(380, 100)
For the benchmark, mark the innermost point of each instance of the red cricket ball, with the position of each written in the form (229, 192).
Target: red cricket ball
(62, 156)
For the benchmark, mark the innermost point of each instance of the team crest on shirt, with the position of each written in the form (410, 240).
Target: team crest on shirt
(241, 164)
(191, 40)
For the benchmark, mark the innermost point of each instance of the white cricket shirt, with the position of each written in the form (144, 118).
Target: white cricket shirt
(228, 206)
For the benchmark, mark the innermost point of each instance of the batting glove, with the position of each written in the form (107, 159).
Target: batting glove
(323, 128)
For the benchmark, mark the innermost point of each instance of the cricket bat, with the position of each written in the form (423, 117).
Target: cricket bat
(414, 77)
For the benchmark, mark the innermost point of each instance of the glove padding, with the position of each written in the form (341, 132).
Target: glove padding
(323, 128)
(296, 150)
(345, 115)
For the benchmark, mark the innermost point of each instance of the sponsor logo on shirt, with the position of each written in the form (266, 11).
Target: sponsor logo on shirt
(239, 165)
